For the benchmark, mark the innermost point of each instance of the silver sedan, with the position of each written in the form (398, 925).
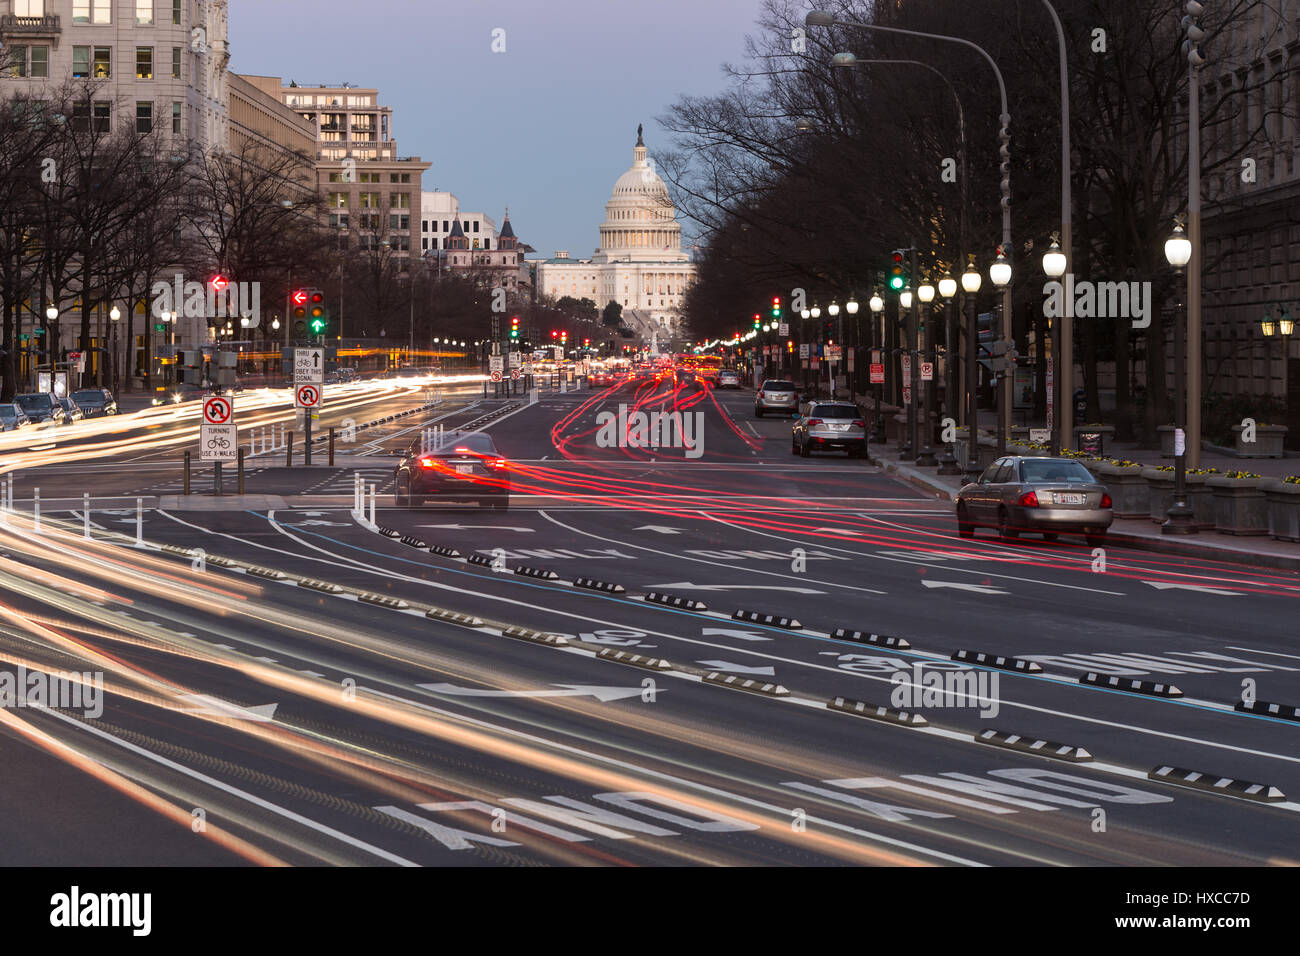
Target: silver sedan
(1044, 495)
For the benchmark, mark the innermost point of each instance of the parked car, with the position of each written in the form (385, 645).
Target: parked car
(94, 402)
(464, 467)
(776, 395)
(1045, 495)
(71, 411)
(12, 417)
(728, 378)
(41, 407)
(823, 426)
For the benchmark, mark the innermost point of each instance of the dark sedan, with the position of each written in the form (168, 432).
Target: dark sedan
(41, 407)
(464, 467)
(94, 402)
(1044, 495)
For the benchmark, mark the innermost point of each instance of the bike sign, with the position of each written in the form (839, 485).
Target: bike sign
(307, 396)
(218, 410)
(218, 443)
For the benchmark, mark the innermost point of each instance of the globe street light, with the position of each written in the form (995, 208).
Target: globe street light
(1179, 518)
(970, 283)
(925, 458)
(877, 305)
(947, 289)
(114, 314)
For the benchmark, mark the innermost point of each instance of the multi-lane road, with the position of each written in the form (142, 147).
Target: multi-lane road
(709, 652)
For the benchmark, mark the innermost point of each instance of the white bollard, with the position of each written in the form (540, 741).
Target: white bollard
(85, 515)
(139, 522)
(372, 504)
(36, 510)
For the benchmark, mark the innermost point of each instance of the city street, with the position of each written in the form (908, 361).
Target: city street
(325, 689)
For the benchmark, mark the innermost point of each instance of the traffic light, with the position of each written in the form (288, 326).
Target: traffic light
(219, 282)
(555, 334)
(758, 323)
(776, 307)
(896, 277)
(514, 328)
(317, 316)
(299, 299)
(789, 345)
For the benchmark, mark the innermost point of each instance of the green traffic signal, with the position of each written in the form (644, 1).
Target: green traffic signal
(896, 278)
(896, 282)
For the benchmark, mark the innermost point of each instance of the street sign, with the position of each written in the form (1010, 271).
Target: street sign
(308, 367)
(877, 373)
(1051, 423)
(77, 359)
(307, 396)
(907, 366)
(785, 328)
(849, 366)
(218, 443)
(497, 363)
(832, 353)
(496, 375)
(514, 374)
(218, 410)
(907, 395)
(803, 350)
(927, 371)
(1040, 434)
(516, 360)
(160, 327)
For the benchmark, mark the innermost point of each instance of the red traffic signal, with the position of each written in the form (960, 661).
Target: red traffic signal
(299, 296)
(219, 282)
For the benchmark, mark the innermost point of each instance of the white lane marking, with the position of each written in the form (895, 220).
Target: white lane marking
(978, 589)
(712, 564)
(600, 692)
(227, 788)
(741, 635)
(877, 557)
(1294, 657)
(211, 706)
(627, 766)
(738, 668)
(1168, 585)
(731, 587)
(334, 559)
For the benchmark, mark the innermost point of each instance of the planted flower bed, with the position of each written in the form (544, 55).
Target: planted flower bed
(1282, 497)
(1240, 506)
(1129, 491)
(1199, 495)
(1267, 444)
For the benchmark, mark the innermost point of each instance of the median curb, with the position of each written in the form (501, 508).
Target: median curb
(636, 660)
(1147, 687)
(1002, 663)
(860, 708)
(1044, 748)
(1212, 783)
(1264, 709)
(736, 682)
(866, 637)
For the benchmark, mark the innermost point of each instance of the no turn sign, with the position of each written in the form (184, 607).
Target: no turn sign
(218, 410)
(496, 375)
(306, 396)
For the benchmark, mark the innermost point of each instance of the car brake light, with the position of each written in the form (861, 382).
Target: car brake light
(498, 463)
(760, 394)
(1029, 499)
(1105, 500)
(815, 421)
(859, 423)
(428, 463)
(462, 450)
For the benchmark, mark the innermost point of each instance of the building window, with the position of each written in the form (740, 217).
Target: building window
(29, 8)
(396, 221)
(338, 220)
(81, 117)
(176, 63)
(476, 225)
(424, 243)
(487, 243)
(102, 67)
(144, 12)
(80, 62)
(33, 61)
(176, 118)
(144, 117)
(399, 200)
(445, 226)
(91, 11)
(103, 114)
(369, 200)
(370, 177)
(368, 220)
(144, 63)
(176, 11)
(338, 200)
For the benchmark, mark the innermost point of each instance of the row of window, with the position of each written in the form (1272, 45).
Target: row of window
(89, 62)
(373, 177)
(369, 220)
(98, 116)
(370, 200)
(487, 243)
(446, 225)
(295, 99)
(97, 11)
(372, 243)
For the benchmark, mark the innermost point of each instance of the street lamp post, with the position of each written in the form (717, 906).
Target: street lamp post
(1055, 262)
(907, 319)
(970, 283)
(52, 316)
(833, 310)
(115, 315)
(925, 295)
(1000, 273)
(948, 289)
(1179, 518)
(851, 307)
(877, 305)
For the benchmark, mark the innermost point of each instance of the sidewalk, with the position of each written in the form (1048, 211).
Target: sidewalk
(1141, 533)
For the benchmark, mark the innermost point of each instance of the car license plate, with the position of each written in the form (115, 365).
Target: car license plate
(1071, 499)
(839, 428)
(464, 469)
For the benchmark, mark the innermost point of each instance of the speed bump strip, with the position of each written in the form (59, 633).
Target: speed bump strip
(1265, 709)
(636, 660)
(453, 617)
(866, 637)
(1044, 748)
(389, 532)
(1133, 686)
(383, 600)
(595, 585)
(736, 682)
(754, 617)
(1005, 663)
(537, 637)
(874, 712)
(1215, 784)
(673, 600)
(315, 585)
(445, 551)
(271, 573)
(545, 573)
(412, 542)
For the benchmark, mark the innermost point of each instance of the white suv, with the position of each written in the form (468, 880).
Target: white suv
(776, 395)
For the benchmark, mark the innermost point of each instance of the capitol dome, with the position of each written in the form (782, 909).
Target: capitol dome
(640, 219)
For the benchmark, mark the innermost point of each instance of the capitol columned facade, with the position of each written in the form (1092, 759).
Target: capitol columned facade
(639, 264)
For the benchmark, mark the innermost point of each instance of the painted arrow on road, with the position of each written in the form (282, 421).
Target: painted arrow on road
(732, 632)
(733, 587)
(977, 588)
(738, 668)
(1167, 585)
(841, 530)
(567, 690)
(220, 708)
(659, 528)
(467, 527)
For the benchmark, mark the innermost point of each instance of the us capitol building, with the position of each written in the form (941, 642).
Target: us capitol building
(640, 263)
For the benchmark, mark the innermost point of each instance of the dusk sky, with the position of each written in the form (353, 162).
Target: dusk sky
(545, 127)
